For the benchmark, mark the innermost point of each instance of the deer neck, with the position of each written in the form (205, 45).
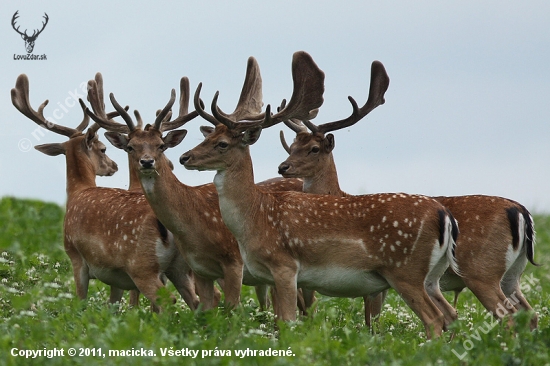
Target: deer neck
(135, 183)
(324, 181)
(237, 194)
(167, 196)
(80, 170)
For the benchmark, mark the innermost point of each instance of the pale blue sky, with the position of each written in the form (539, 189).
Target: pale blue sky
(466, 112)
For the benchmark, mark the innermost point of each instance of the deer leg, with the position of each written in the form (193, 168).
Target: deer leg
(300, 302)
(511, 289)
(205, 289)
(286, 292)
(261, 294)
(115, 295)
(81, 272)
(233, 281)
(149, 285)
(134, 298)
(309, 299)
(489, 293)
(373, 307)
(184, 281)
(418, 300)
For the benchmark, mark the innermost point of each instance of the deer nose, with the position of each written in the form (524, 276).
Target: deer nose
(147, 163)
(283, 168)
(184, 158)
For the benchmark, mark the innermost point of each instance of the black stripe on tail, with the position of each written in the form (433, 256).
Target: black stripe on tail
(454, 230)
(513, 217)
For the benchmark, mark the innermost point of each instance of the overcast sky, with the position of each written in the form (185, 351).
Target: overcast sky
(467, 110)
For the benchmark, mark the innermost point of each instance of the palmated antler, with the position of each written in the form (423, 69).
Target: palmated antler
(20, 100)
(378, 85)
(307, 97)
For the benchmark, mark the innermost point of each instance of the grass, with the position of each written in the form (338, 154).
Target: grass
(40, 311)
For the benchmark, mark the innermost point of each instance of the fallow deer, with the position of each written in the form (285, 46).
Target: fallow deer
(109, 234)
(496, 234)
(191, 213)
(338, 246)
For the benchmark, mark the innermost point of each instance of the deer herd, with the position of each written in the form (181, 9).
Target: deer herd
(297, 234)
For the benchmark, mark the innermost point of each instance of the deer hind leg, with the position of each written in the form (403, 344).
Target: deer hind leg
(489, 293)
(373, 307)
(134, 298)
(512, 291)
(81, 272)
(417, 299)
(148, 285)
(183, 279)
(115, 295)
(262, 295)
(308, 299)
(205, 290)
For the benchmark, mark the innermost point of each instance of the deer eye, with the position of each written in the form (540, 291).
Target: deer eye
(103, 150)
(315, 149)
(162, 147)
(222, 144)
(129, 149)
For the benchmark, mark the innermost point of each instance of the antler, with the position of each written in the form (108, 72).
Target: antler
(378, 85)
(13, 19)
(249, 106)
(162, 120)
(20, 100)
(95, 97)
(37, 32)
(307, 97)
(183, 116)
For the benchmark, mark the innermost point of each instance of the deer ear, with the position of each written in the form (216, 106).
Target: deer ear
(51, 149)
(173, 138)
(251, 135)
(206, 130)
(118, 140)
(329, 142)
(89, 138)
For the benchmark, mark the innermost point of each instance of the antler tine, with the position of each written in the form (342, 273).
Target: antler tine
(283, 141)
(96, 99)
(20, 100)
(241, 125)
(199, 107)
(165, 111)
(86, 120)
(379, 83)
(308, 91)
(184, 116)
(122, 112)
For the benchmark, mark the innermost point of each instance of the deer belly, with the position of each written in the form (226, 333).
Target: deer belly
(341, 282)
(113, 277)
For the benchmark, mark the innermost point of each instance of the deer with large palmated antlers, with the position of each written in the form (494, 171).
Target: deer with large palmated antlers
(338, 246)
(192, 213)
(496, 234)
(109, 234)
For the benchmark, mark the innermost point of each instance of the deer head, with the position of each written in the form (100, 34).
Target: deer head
(29, 40)
(311, 152)
(87, 142)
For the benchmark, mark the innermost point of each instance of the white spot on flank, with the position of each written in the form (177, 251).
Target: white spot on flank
(384, 219)
(125, 237)
(395, 224)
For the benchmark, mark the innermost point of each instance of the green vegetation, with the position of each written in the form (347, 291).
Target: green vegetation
(40, 311)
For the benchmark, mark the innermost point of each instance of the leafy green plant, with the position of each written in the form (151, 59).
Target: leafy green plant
(40, 311)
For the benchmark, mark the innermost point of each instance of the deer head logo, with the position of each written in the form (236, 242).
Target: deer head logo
(29, 40)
